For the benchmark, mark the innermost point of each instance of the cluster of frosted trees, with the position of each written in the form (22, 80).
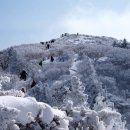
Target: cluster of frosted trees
(81, 117)
(73, 114)
(63, 91)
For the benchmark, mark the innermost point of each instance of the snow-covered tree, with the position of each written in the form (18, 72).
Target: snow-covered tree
(41, 92)
(124, 43)
(76, 92)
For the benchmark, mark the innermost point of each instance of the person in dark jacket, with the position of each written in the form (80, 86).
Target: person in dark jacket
(47, 46)
(42, 43)
(40, 63)
(33, 84)
(23, 90)
(52, 59)
(53, 40)
(23, 75)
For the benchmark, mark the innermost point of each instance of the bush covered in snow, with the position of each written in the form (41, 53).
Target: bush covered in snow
(26, 113)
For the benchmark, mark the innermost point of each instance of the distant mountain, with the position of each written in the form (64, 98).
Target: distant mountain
(44, 70)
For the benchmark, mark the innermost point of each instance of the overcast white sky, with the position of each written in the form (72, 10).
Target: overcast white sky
(27, 21)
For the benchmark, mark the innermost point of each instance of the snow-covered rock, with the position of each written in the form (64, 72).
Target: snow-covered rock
(47, 113)
(27, 111)
(24, 105)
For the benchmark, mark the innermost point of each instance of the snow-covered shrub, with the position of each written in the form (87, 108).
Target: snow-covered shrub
(95, 51)
(7, 114)
(16, 63)
(106, 69)
(60, 91)
(103, 117)
(9, 82)
(41, 92)
(123, 79)
(119, 56)
(4, 60)
(12, 92)
(83, 118)
(4, 80)
(63, 57)
(101, 103)
(84, 68)
(27, 113)
(53, 74)
(54, 94)
(54, 71)
(109, 83)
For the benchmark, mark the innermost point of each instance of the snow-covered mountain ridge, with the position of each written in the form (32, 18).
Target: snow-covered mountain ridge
(96, 66)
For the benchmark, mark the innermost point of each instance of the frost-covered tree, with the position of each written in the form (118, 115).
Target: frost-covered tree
(114, 44)
(81, 117)
(103, 117)
(76, 92)
(101, 103)
(41, 92)
(124, 44)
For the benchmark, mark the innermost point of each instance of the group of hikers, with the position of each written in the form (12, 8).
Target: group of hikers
(47, 47)
(23, 73)
(51, 60)
(23, 76)
(47, 43)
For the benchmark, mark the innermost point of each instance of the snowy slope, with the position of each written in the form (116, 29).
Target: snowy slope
(101, 67)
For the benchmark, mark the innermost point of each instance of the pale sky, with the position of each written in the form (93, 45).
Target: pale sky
(30, 21)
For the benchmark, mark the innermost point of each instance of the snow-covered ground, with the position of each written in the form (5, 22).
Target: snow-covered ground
(102, 59)
(75, 62)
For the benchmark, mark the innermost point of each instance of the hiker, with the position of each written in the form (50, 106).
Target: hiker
(23, 90)
(62, 35)
(53, 40)
(52, 59)
(47, 46)
(23, 75)
(33, 84)
(40, 63)
(42, 43)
